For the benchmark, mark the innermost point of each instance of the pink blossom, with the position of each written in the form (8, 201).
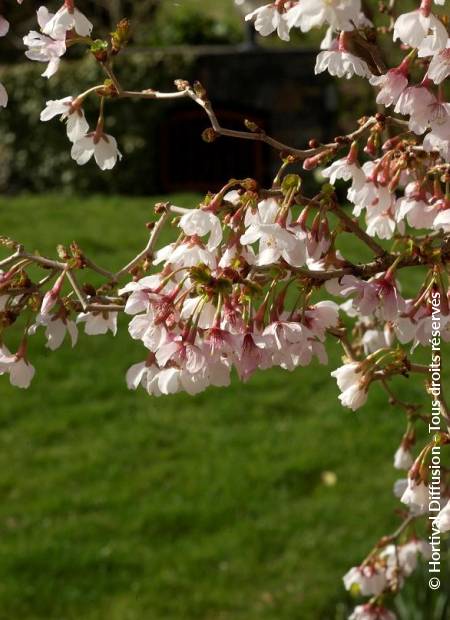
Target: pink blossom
(182, 353)
(416, 208)
(374, 339)
(379, 292)
(189, 253)
(200, 310)
(276, 242)
(392, 83)
(413, 28)
(52, 296)
(439, 67)
(251, 355)
(371, 612)
(143, 327)
(140, 292)
(43, 48)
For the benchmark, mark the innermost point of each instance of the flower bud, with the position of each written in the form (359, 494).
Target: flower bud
(209, 135)
(121, 36)
(52, 296)
(99, 49)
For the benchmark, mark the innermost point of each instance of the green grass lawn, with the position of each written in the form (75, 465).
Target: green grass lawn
(118, 506)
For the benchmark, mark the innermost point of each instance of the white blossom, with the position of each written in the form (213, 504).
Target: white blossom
(442, 521)
(102, 146)
(413, 29)
(64, 20)
(98, 323)
(341, 64)
(76, 123)
(403, 458)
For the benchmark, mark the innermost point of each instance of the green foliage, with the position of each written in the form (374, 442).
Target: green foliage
(188, 24)
(118, 506)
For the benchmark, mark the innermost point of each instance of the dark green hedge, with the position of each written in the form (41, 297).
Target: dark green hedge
(35, 156)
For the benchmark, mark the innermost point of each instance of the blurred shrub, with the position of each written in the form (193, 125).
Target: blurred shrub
(189, 26)
(35, 156)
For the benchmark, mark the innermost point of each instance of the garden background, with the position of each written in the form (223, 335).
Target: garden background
(240, 504)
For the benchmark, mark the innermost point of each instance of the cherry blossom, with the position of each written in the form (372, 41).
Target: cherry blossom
(374, 339)
(100, 145)
(98, 323)
(439, 67)
(442, 221)
(269, 18)
(353, 384)
(392, 84)
(341, 64)
(339, 14)
(380, 292)
(43, 48)
(368, 579)
(443, 519)
(416, 495)
(416, 208)
(275, 242)
(66, 19)
(142, 374)
(56, 328)
(20, 371)
(371, 612)
(345, 169)
(403, 458)
(413, 28)
(202, 223)
(69, 110)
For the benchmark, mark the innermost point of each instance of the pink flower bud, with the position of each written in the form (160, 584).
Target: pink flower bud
(52, 296)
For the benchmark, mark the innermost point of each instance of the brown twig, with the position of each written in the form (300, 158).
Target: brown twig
(259, 136)
(358, 231)
(77, 290)
(147, 251)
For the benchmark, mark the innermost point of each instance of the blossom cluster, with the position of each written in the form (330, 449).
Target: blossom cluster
(196, 317)
(409, 88)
